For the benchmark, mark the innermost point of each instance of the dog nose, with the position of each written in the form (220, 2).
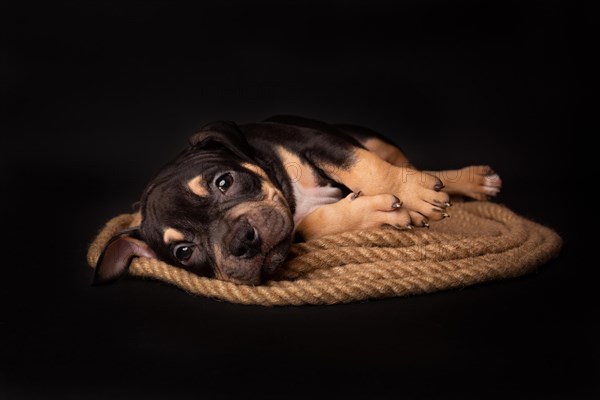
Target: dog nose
(246, 242)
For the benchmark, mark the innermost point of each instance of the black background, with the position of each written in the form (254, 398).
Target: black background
(97, 95)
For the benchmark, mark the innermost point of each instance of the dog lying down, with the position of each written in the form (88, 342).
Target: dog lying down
(231, 204)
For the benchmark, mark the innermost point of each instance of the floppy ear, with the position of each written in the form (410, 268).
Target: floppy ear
(222, 134)
(117, 254)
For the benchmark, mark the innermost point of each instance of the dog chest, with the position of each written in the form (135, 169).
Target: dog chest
(310, 198)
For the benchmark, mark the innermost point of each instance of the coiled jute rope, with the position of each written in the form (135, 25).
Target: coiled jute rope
(481, 242)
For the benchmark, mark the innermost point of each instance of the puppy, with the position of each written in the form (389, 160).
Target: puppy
(231, 204)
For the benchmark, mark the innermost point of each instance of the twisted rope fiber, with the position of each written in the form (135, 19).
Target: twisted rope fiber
(482, 241)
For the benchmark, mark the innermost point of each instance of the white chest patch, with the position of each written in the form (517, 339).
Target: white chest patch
(311, 198)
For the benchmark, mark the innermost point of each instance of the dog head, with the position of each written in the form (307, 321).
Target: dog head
(213, 211)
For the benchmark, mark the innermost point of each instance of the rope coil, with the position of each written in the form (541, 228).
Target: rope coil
(482, 241)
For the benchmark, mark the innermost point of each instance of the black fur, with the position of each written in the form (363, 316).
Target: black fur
(222, 147)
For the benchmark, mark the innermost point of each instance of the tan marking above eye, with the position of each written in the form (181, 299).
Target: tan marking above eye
(172, 235)
(256, 169)
(198, 186)
(267, 187)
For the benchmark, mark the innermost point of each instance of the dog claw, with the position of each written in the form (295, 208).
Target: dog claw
(446, 215)
(426, 224)
(397, 204)
(409, 226)
(438, 187)
(448, 204)
(355, 195)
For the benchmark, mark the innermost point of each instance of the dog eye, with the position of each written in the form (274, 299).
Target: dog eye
(224, 182)
(183, 252)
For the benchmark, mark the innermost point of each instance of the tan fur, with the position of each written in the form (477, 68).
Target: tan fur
(298, 171)
(256, 169)
(363, 212)
(247, 207)
(387, 152)
(367, 173)
(172, 235)
(241, 209)
(137, 219)
(270, 191)
(198, 186)
(325, 220)
(477, 182)
(371, 175)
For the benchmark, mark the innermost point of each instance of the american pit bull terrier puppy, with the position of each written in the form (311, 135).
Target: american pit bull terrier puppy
(231, 204)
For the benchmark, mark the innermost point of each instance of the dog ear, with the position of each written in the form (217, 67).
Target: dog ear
(222, 134)
(117, 254)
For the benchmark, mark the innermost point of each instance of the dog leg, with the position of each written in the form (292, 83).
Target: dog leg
(477, 182)
(393, 155)
(354, 213)
(368, 173)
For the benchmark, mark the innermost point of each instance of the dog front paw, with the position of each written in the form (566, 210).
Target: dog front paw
(422, 195)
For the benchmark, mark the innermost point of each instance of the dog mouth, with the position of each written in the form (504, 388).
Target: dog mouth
(275, 257)
(275, 233)
(263, 233)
